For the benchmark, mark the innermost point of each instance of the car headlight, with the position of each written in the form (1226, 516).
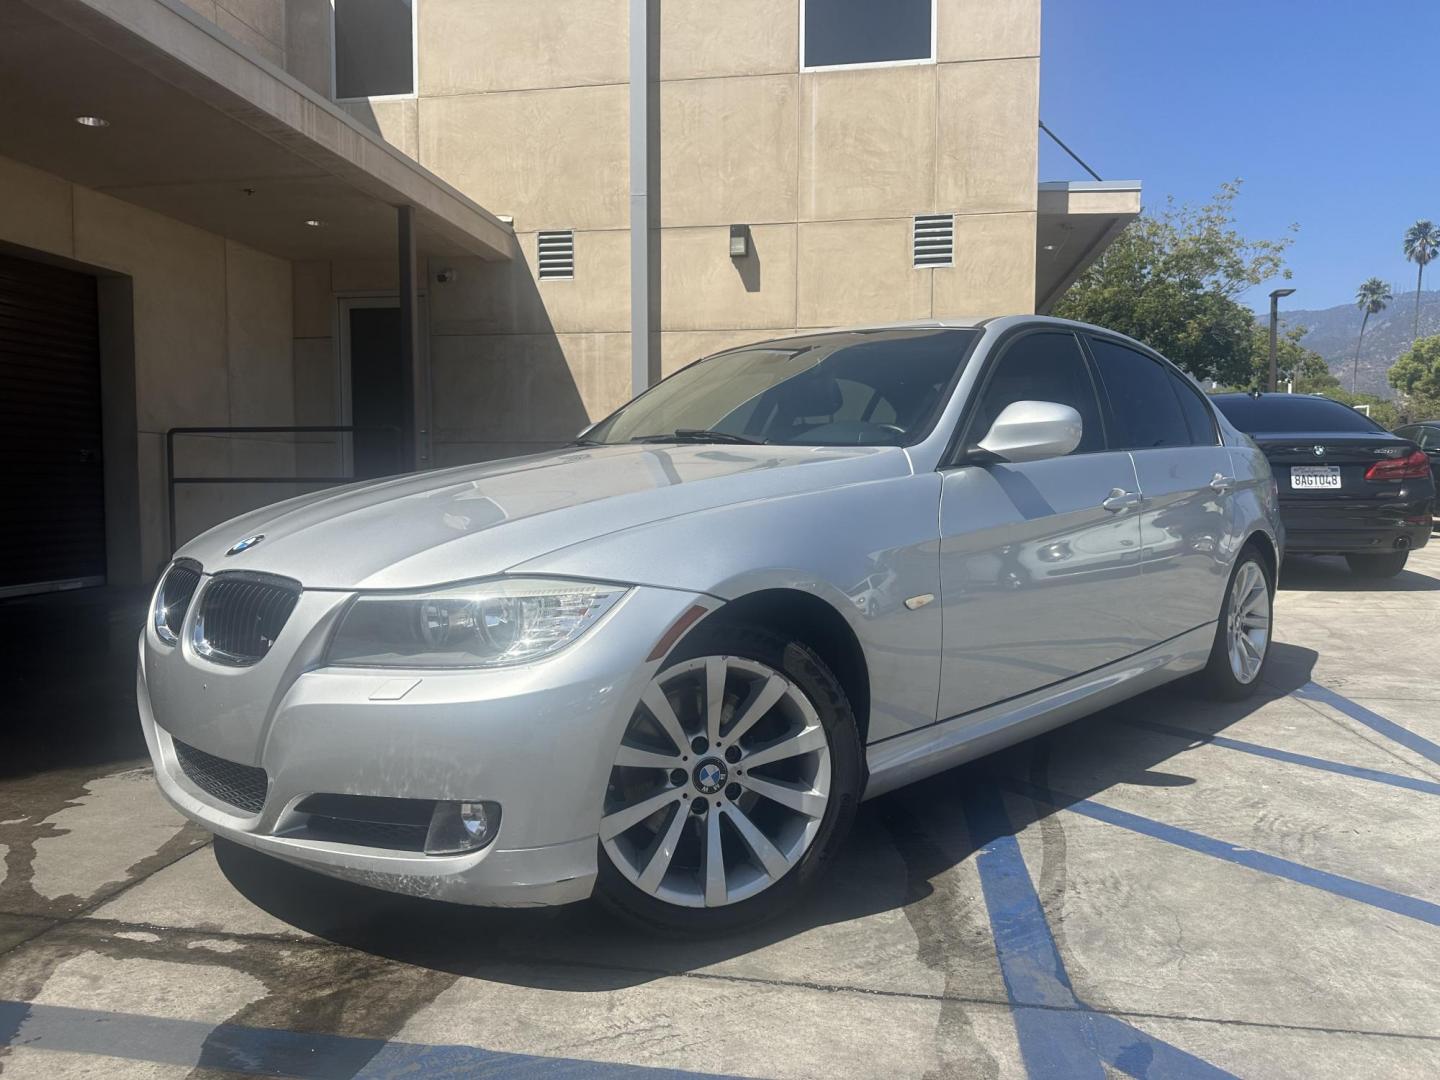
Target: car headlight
(485, 624)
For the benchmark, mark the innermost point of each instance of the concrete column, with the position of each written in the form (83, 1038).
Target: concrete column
(415, 450)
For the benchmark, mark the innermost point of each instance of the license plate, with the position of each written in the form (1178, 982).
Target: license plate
(1310, 477)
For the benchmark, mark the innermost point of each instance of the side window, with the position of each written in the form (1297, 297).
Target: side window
(1429, 438)
(1198, 416)
(1042, 367)
(1142, 397)
(846, 33)
(374, 48)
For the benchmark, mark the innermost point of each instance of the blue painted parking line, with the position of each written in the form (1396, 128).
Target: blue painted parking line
(270, 1052)
(1373, 720)
(1429, 787)
(1059, 1037)
(1351, 889)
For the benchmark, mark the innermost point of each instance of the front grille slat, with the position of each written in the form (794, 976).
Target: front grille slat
(241, 617)
(176, 592)
(241, 786)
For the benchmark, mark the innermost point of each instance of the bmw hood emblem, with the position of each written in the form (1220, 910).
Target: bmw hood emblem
(246, 544)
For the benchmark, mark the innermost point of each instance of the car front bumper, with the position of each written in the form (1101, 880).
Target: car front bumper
(538, 739)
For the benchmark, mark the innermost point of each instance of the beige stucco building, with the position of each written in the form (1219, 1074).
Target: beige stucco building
(333, 212)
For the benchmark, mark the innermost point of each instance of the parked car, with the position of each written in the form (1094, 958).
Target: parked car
(664, 664)
(1425, 435)
(1347, 486)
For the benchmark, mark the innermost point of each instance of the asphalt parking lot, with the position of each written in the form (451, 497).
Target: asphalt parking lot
(1168, 889)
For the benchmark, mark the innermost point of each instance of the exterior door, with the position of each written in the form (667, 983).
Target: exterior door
(1040, 561)
(374, 392)
(50, 429)
(1186, 479)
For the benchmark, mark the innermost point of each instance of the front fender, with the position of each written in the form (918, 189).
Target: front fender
(865, 549)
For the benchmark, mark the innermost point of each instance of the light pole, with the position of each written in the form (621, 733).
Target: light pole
(1274, 331)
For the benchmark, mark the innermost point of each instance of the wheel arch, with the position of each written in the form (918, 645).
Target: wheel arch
(814, 621)
(1263, 543)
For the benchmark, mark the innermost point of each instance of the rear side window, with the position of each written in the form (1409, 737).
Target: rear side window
(1143, 403)
(1197, 412)
(1042, 367)
(1274, 414)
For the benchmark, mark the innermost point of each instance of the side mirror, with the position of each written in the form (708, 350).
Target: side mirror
(1033, 431)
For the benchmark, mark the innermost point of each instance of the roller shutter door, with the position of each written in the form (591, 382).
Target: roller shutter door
(52, 534)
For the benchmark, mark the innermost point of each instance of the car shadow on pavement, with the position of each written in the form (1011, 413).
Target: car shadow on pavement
(1330, 573)
(900, 853)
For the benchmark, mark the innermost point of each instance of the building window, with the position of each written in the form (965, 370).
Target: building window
(865, 33)
(374, 48)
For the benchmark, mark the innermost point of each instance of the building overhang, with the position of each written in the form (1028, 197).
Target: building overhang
(205, 130)
(1077, 221)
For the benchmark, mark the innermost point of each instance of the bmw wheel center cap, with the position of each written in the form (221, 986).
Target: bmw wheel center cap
(710, 776)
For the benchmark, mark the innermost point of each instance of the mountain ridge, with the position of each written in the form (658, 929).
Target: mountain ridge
(1332, 332)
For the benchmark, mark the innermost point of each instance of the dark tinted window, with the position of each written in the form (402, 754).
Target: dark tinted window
(866, 31)
(1429, 437)
(876, 388)
(1142, 397)
(1197, 412)
(1280, 413)
(374, 48)
(1042, 367)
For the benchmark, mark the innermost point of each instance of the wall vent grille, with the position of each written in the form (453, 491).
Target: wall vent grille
(557, 254)
(934, 240)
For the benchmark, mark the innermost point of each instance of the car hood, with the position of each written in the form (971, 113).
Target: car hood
(461, 523)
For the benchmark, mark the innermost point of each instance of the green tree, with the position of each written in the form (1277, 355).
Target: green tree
(1173, 280)
(1422, 244)
(1416, 374)
(1304, 367)
(1371, 298)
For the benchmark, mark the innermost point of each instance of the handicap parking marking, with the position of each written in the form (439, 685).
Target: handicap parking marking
(1349, 888)
(1313, 691)
(1429, 787)
(275, 1052)
(1060, 1037)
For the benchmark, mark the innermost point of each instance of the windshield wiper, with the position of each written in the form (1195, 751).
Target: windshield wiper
(699, 435)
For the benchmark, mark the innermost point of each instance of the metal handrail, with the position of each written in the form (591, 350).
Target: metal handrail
(309, 429)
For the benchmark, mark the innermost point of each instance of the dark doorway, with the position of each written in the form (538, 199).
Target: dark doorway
(50, 430)
(377, 390)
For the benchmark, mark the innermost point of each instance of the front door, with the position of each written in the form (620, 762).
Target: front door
(1186, 477)
(1039, 561)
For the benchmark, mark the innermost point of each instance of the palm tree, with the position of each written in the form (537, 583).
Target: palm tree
(1422, 244)
(1371, 298)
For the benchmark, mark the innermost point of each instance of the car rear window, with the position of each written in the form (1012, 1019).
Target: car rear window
(1292, 412)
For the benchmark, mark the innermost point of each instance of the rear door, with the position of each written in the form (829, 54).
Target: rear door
(1185, 478)
(1039, 561)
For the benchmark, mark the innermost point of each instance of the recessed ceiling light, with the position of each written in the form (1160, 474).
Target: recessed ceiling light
(314, 223)
(92, 121)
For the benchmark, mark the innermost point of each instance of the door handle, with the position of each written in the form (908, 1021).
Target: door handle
(1119, 499)
(1222, 484)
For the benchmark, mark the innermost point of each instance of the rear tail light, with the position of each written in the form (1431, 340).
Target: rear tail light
(1407, 468)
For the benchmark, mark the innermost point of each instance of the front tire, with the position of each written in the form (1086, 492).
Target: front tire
(733, 787)
(1242, 636)
(1378, 566)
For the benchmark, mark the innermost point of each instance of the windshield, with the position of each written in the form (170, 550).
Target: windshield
(1278, 413)
(863, 388)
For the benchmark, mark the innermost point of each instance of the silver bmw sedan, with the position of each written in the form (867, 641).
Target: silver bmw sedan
(664, 664)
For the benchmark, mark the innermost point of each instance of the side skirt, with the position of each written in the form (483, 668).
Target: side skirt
(907, 758)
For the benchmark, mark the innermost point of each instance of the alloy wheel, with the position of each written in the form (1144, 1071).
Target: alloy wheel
(720, 783)
(1248, 632)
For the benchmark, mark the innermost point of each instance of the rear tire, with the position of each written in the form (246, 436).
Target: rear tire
(1377, 566)
(1234, 670)
(682, 899)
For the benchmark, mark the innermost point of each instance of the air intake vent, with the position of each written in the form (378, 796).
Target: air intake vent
(240, 786)
(240, 617)
(934, 240)
(172, 599)
(557, 254)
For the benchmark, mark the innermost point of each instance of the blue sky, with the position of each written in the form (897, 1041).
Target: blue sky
(1328, 110)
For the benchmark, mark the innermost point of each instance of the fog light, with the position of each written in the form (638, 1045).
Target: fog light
(458, 827)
